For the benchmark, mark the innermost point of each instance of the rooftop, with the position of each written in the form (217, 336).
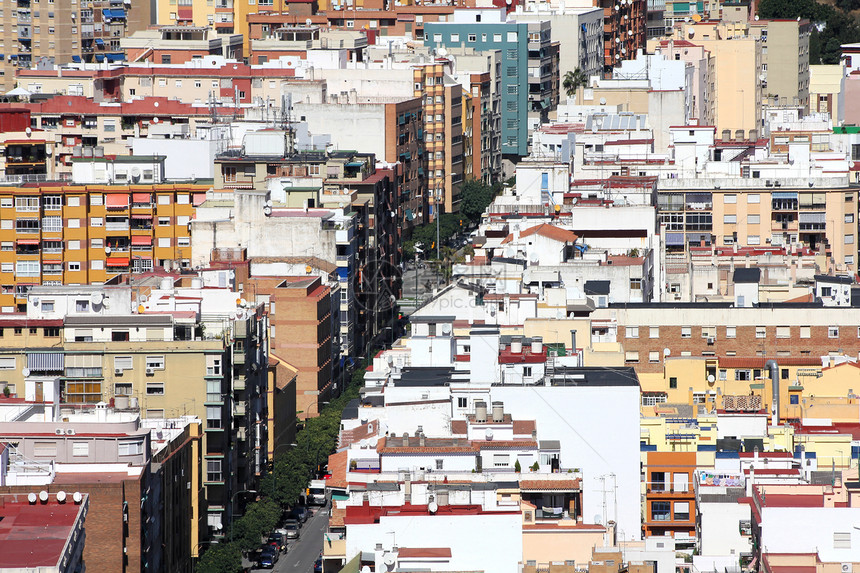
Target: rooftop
(35, 535)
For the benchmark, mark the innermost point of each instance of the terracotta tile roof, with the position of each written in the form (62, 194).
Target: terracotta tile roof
(337, 466)
(368, 430)
(459, 427)
(546, 230)
(431, 446)
(336, 517)
(423, 552)
(805, 298)
(548, 484)
(493, 444)
(524, 427)
(760, 361)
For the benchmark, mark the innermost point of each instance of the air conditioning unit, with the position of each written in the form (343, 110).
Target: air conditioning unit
(710, 341)
(847, 568)
(70, 432)
(117, 371)
(60, 431)
(150, 371)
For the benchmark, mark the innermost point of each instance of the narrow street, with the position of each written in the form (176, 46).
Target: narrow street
(302, 553)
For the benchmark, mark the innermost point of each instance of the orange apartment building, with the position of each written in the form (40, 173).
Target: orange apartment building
(55, 234)
(670, 499)
(301, 331)
(624, 30)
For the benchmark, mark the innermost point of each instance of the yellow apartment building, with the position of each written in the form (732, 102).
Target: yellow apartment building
(55, 234)
(826, 84)
(821, 218)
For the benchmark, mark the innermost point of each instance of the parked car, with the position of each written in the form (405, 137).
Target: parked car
(292, 528)
(268, 558)
(318, 565)
(299, 513)
(279, 540)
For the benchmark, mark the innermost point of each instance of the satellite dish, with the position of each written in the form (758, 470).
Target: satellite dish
(388, 559)
(597, 519)
(488, 433)
(77, 497)
(96, 297)
(711, 379)
(107, 250)
(267, 210)
(603, 101)
(308, 22)
(666, 352)
(365, 569)
(25, 372)
(443, 52)
(43, 496)
(143, 298)
(106, 303)
(28, 131)
(155, 119)
(35, 300)
(433, 507)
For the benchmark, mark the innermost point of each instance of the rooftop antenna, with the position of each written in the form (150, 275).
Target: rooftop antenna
(287, 123)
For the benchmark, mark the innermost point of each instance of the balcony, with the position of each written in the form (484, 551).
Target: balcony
(111, 227)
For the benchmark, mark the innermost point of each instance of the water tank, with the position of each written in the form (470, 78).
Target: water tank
(167, 283)
(517, 345)
(498, 412)
(121, 402)
(727, 135)
(537, 345)
(480, 411)
(739, 135)
(197, 282)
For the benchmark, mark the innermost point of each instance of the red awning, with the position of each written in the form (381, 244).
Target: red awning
(52, 262)
(117, 261)
(141, 240)
(116, 200)
(141, 216)
(198, 198)
(28, 241)
(141, 198)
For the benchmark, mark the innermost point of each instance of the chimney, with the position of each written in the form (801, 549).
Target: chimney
(480, 411)
(516, 345)
(405, 439)
(421, 439)
(498, 412)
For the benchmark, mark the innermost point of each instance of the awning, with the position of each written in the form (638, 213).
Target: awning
(784, 195)
(354, 164)
(141, 198)
(76, 59)
(47, 262)
(118, 13)
(45, 361)
(141, 216)
(107, 13)
(674, 238)
(100, 42)
(116, 200)
(100, 57)
(141, 240)
(116, 57)
(28, 241)
(117, 261)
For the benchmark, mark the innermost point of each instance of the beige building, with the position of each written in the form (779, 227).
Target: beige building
(785, 61)
(64, 32)
(737, 71)
(826, 86)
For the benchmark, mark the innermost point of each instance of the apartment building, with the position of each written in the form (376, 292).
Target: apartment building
(651, 333)
(624, 30)
(60, 234)
(62, 33)
(670, 499)
(180, 44)
(530, 78)
(98, 349)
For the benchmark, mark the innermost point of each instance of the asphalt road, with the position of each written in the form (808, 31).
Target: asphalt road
(302, 553)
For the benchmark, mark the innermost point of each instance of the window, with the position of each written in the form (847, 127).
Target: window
(45, 449)
(439, 464)
(841, 540)
(731, 331)
(805, 332)
(709, 332)
(119, 336)
(7, 363)
(497, 37)
(213, 365)
(635, 284)
(213, 391)
(849, 239)
(165, 199)
(164, 221)
(122, 389)
(130, 448)
(51, 331)
(632, 332)
(512, 36)
(660, 511)
(464, 402)
(761, 332)
(654, 356)
(472, 37)
(52, 224)
(742, 375)
(832, 332)
(730, 199)
(155, 362)
(653, 332)
(783, 332)
(27, 204)
(753, 198)
(501, 460)
(53, 202)
(631, 357)
(455, 37)
(96, 222)
(682, 511)
(723, 374)
(82, 306)
(155, 388)
(213, 470)
(686, 332)
(730, 219)
(80, 449)
(27, 268)
(123, 363)
(753, 219)
(527, 371)
(164, 241)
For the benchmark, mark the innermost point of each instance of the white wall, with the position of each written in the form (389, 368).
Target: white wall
(599, 432)
(352, 126)
(186, 158)
(810, 530)
(720, 532)
(470, 551)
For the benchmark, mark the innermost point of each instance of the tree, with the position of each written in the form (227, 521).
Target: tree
(474, 199)
(517, 467)
(832, 26)
(573, 80)
(220, 558)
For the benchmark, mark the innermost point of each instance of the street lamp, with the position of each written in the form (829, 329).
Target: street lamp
(232, 512)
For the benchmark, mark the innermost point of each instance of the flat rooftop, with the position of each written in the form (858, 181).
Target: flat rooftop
(35, 535)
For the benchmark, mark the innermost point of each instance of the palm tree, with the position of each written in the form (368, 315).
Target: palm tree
(573, 80)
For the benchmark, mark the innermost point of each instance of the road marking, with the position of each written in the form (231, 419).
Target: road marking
(323, 512)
